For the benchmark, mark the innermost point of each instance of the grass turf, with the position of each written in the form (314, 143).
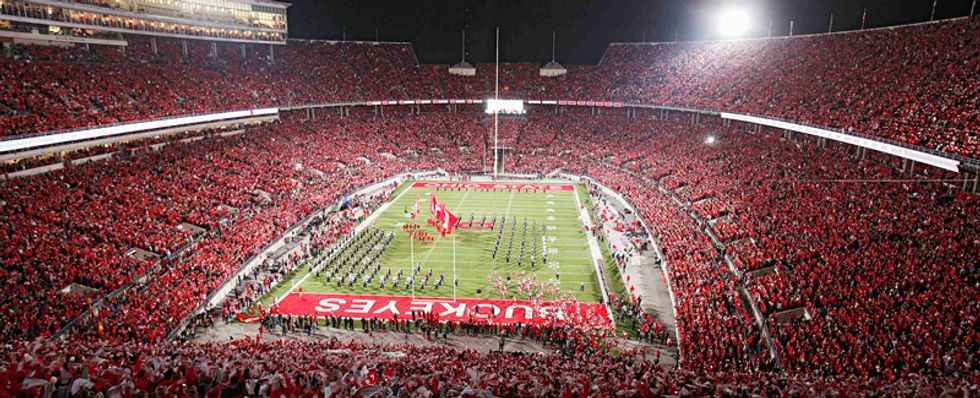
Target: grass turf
(556, 210)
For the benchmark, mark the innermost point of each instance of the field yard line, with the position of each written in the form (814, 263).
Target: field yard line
(357, 229)
(509, 201)
(436, 243)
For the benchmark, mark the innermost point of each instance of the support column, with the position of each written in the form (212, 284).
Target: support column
(183, 46)
(272, 54)
(153, 45)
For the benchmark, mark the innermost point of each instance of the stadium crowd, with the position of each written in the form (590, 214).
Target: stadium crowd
(754, 194)
(859, 256)
(865, 279)
(912, 84)
(336, 369)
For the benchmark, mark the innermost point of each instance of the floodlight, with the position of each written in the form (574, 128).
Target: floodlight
(733, 22)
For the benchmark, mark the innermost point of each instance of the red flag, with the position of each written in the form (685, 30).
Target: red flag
(415, 211)
(449, 221)
(440, 216)
(433, 206)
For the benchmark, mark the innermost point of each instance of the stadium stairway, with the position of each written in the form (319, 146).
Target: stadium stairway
(642, 270)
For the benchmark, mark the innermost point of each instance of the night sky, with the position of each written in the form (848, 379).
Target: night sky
(584, 28)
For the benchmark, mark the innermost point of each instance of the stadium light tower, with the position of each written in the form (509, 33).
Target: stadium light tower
(733, 22)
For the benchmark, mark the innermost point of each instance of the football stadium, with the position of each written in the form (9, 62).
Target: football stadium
(568, 198)
(513, 253)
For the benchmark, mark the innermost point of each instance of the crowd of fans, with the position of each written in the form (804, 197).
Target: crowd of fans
(336, 369)
(78, 225)
(912, 84)
(867, 254)
(864, 278)
(898, 256)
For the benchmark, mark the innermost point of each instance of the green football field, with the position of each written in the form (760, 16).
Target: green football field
(551, 218)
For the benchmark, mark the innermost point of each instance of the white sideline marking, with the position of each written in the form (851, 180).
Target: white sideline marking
(596, 254)
(360, 227)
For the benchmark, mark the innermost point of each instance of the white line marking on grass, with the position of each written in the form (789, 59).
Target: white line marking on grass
(509, 202)
(506, 214)
(360, 227)
(436, 243)
(596, 255)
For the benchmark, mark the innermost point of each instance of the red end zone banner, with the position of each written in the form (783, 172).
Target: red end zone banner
(511, 187)
(444, 309)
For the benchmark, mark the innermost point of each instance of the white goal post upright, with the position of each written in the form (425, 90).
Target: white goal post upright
(411, 271)
(454, 268)
(496, 93)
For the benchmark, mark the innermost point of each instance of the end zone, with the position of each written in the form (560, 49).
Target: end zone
(444, 309)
